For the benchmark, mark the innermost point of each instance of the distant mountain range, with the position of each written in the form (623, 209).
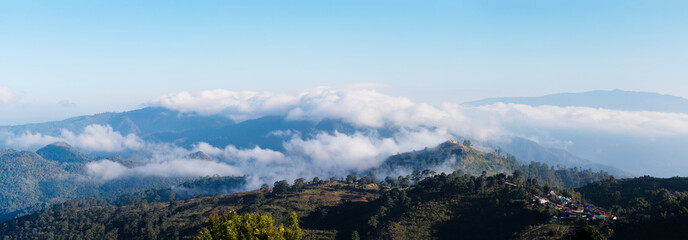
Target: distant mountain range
(142, 122)
(185, 129)
(614, 99)
(619, 154)
(163, 125)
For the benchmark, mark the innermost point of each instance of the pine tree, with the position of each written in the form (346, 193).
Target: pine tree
(232, 226)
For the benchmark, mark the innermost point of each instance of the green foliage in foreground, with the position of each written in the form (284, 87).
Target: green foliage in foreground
(232, 226)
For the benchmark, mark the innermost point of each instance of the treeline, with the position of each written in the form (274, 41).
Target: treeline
(92, 219)
(562, 177)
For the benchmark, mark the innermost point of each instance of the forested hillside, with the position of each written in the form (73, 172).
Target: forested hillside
(30, 181)
(22, 175)
(34, 180)
(423, 205)
(439, 206)
(453, 155)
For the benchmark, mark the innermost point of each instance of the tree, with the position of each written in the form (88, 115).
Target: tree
(171, 196)
(364, 180)
(292, 230)
(281, 187)
(467, 143)
(517, 176)
(299, 184)
(392, 182)
(350, 178)
(428, 173)
(416, 175)
(250, 226)
(500, 176)
(355, 236)
(264, 186)
(373, 177)
(404, 182)
(316, 180)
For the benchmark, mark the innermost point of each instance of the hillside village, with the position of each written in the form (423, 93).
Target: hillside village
(568, 210)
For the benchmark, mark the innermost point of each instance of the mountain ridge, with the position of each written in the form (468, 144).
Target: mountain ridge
(608, 99)
(142, 122)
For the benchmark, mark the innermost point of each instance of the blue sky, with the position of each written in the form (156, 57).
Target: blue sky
(65, 58)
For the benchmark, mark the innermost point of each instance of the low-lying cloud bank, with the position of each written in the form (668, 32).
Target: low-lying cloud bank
(324, 155)
(572, 128)
(369, 108)
(94, 138)
(108, 170)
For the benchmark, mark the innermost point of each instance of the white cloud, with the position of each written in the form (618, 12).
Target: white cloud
(369, 108)
(413, 124)
(29, 139)
(208, 149)
(588, 119)
(102, 138)
(231, 153)
(361, 107)
(108, 170)
(238, 105)
(366, 108)
(343, 151)
(256, 153)
(187, 168)
(6, 95)
(322, 155)
(94, 137)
